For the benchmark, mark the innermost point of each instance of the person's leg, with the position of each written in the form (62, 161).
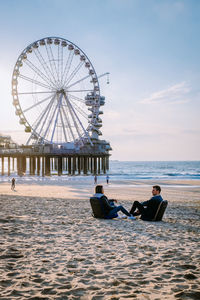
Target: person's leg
(139, 206)
(119, 208)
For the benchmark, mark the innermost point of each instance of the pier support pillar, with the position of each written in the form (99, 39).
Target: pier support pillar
(107, 163)
(24, 164)
(69, 166)
(8, 166)
(2, 165)
(79, 165)
(38, 165)
(13, 164)
(91, 165)
(59, 166)
(43, 166)
(47, 166)
(30, 166)
(99, 165)
(19, 166)
(74, 165)
(103, 164)
(95, 165)
(85, 165)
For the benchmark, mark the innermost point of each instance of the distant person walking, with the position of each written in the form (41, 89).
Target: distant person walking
(107, 179)
(95, 179)
(13, 184)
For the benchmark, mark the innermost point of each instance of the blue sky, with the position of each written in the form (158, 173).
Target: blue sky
(151, 49)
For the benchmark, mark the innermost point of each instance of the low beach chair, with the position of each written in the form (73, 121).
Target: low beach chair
(160, 211)
(96, 208)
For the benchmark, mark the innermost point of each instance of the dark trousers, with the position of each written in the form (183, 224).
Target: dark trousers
(139, 206)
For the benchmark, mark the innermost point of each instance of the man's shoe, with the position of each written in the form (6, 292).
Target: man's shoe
(131, 218)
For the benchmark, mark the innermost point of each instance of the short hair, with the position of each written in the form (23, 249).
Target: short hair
(157, 187)
(99, 189)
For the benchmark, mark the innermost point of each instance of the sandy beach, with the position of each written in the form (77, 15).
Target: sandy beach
(52, 248)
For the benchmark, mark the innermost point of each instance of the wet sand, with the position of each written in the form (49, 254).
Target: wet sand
(52, 248)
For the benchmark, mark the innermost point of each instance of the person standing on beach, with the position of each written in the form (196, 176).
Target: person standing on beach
(107, 179)
(95, 179)
(147, 209)
(13, 184)
(110, 209)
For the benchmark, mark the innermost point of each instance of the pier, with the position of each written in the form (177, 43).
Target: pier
(47, 161)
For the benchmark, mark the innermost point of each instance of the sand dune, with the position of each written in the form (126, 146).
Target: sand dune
(52, 248)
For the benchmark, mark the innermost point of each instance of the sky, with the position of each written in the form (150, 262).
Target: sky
(151, 48)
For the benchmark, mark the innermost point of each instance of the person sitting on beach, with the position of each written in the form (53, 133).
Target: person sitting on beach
(110, 209)
(147, 209)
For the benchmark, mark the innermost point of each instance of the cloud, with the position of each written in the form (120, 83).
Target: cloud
(177, 93)
(169, 10)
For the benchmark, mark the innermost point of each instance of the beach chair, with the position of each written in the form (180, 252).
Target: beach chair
(160, 211)
(97, 208)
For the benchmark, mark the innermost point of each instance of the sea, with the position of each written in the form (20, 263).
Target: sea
(127, 171)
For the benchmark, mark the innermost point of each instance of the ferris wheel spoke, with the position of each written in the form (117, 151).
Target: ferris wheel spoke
(44, 112)
(51, 60)
(30, 93)
(52, 63)
(41, 116)
(34, 105)
(37, 71)
(59, 64)
(82, 112)
(65, 113)
(78, 81)
(61, 67)
(63, 125)
(79, 91)
(76, 98)
(45, 120)
(74, 72)
(34, 81)
(50, 121)
(56, 119)
(67, 66)
(74, 114)
(44, 65)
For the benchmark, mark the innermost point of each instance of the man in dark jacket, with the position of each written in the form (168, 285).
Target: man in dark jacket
(110, 210)
(148, 209)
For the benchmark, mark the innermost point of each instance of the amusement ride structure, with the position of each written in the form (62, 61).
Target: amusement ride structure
(56, 95)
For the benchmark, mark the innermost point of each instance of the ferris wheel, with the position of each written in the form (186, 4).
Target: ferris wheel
(56, 93)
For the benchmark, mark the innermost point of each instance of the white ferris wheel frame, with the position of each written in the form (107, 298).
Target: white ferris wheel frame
(57, 80)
